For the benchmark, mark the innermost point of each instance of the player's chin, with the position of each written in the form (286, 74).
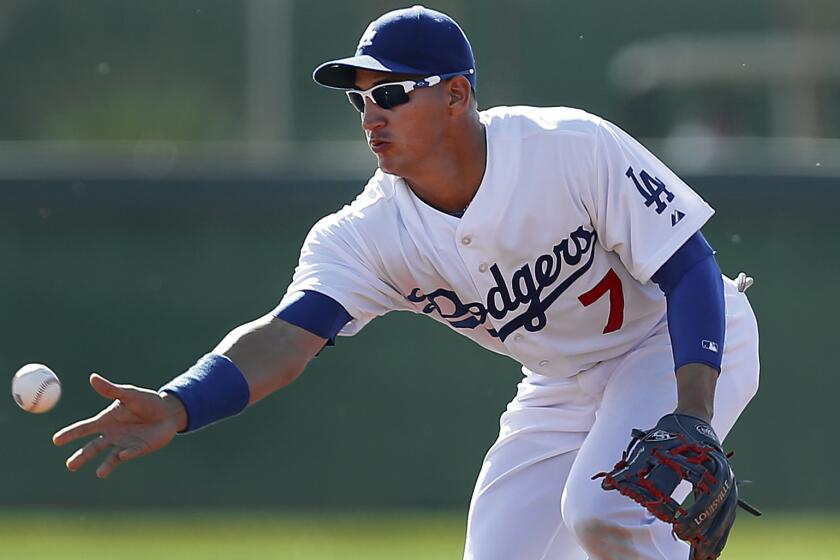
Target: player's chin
(386, 168)
(388, 164)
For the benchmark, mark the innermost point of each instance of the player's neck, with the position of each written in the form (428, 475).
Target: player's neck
(449, 182)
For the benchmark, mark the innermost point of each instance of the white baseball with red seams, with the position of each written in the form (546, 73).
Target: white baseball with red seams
(36, 388)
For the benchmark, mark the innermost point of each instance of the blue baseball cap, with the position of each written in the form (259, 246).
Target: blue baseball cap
(413, 40)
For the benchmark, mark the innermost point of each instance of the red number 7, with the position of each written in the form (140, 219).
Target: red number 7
(610, 283)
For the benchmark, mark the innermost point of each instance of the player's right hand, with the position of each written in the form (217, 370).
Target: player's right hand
(137, 422)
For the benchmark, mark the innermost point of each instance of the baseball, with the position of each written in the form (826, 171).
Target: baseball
(36, 388)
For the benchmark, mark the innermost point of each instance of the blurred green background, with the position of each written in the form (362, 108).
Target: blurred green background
(161, 162)
(111, 280)
(77, 535)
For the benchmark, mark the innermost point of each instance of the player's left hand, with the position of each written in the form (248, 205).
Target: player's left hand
(678, 448)
(137, 422)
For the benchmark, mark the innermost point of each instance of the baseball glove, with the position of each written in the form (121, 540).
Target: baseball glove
(681, 448)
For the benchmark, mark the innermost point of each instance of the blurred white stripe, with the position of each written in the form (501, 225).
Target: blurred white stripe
(697, 155)
(32, 160)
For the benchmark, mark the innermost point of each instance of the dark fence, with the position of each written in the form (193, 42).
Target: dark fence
(135, 280)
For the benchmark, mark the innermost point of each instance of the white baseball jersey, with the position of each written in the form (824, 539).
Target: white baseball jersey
(551, 262)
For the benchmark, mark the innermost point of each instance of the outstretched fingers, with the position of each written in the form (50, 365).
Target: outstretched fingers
(109, 464)
(94, 424)
(86, 453)
(80, 429)
(107, 389)
(130, 453)
(115, 458)
(121, 431)
(92, 448)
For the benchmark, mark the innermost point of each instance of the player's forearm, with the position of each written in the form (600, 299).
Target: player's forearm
(696, 391)
(270, 353)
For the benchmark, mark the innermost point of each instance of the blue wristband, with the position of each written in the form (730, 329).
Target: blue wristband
(211, 390)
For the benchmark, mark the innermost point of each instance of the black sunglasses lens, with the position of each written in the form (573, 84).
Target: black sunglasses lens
(386, 97)
(389, 96)
(357, 101)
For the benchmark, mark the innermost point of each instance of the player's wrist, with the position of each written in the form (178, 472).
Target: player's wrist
(696, 391)
(703, 414)
(176, 411)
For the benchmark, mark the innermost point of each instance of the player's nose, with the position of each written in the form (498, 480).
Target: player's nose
(374, 116)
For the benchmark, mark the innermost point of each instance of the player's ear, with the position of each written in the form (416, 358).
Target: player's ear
(459, 92)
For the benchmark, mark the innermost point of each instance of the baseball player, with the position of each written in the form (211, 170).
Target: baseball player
(548, 235)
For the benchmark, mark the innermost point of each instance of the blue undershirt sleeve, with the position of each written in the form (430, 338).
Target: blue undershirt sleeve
(313, 311)
(693, 287)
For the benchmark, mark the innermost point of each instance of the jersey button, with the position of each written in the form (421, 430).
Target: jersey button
(517, 337)
(544, 363)
(482, 267)
(466, 240)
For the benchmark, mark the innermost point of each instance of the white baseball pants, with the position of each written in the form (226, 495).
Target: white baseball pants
(534, 498)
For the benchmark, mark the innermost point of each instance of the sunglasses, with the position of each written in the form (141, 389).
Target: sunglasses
(392, 94)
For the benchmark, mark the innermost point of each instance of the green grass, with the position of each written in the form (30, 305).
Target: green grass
(216, 536)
